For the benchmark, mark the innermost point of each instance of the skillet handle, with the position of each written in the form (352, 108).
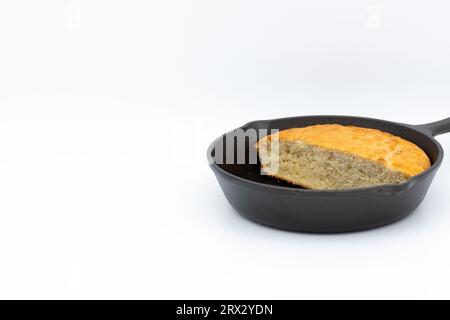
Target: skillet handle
(436, 128)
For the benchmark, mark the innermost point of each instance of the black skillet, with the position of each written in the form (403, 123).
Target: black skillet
(281, 205)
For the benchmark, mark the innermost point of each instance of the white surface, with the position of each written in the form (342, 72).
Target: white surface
(97, 199)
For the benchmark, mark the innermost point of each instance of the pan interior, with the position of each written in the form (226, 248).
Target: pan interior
(249, 167)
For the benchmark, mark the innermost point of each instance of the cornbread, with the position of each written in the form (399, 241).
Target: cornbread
(334, 157)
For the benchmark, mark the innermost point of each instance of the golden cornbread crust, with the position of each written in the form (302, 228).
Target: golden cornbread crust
(392, 152)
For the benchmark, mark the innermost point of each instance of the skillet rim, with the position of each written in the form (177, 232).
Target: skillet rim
(389, 188)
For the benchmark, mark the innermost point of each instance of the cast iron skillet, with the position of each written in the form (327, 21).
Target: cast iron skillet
(281, 205)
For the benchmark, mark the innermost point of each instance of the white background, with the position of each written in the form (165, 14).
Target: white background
(106, 111)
